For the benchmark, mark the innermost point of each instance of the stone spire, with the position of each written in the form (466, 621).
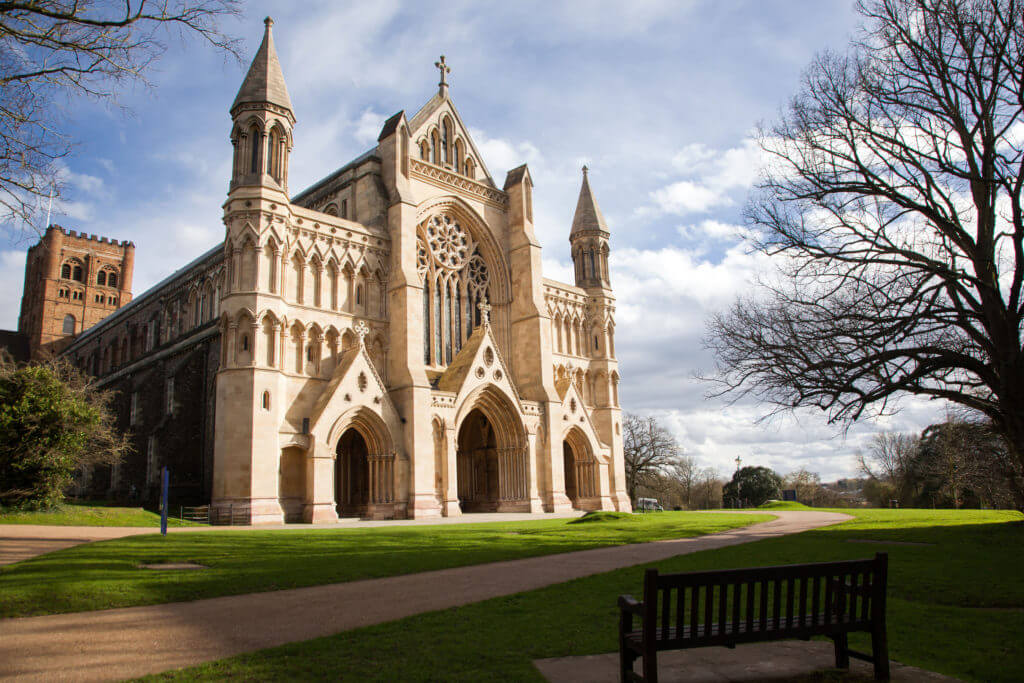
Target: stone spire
(588, 214)
(588, 240)
(265, 81)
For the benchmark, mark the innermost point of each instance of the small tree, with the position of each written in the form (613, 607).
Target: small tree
(52, 423)
(648, 449)
(755, 485)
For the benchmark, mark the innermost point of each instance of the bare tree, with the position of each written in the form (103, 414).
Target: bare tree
(648, 449)
(889, 459)
(708, 490)
(892, 202)
(52, 50)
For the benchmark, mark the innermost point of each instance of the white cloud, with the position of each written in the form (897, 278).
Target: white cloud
(12, 278)
(685, 197)
(712, 177)
(368, 126)
(712, 230)
(501, 155)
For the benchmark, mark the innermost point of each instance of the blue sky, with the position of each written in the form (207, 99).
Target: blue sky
(658, 98)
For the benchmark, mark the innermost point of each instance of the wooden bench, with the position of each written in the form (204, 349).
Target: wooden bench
(733, 606)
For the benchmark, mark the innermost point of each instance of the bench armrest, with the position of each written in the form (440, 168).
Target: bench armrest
(628, 604)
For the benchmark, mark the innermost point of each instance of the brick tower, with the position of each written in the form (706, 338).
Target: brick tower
(72, 281)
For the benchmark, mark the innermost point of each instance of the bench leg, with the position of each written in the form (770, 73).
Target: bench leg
(880, 654)
(650, 666)
(626, 659)
(842, 651)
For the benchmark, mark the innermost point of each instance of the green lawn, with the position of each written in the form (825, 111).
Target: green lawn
(106, 574)
(956, 606)
(74, 514)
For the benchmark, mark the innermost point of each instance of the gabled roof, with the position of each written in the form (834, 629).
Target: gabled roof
(427, 112)
(264, 82)
(588, 214)
(454, 375)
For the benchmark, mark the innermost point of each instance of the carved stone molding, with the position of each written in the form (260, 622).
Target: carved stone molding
(442, 177)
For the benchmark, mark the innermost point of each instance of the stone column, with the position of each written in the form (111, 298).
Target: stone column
(531, 469)
(450, 507)
(319, 505)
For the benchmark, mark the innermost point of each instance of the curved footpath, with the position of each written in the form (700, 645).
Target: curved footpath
(122, 643)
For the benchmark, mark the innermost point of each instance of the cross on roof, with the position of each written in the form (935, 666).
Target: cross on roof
(485, 312)
(362, 330)
(445, 70)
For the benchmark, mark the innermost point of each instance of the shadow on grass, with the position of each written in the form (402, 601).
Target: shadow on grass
(105, 574)
(931, 621)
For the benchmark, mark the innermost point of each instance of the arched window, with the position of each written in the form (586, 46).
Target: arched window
(424, 150)
(65, 271)
(266, 400)
(435, 148)
(455, 283)
(344, 208)
(359, 295)
(245, 342)
(101, 279)
(254, 150)
(446, 140)
(77, 274)
(112, 279)
(274, 155)
(69, 324)
(331, 210)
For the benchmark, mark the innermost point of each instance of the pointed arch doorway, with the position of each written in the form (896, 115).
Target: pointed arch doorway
(491, 459)
(364, 473)
(582, 478)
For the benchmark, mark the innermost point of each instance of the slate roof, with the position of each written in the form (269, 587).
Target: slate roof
(265, 80)
(588, 213)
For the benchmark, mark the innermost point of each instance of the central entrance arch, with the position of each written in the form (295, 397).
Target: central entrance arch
(491, 458)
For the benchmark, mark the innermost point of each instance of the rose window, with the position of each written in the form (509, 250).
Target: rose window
(448, 243)
(422, 257)
(455, 284)
(478, 272)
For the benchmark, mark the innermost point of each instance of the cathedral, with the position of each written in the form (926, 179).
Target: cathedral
(382, 344)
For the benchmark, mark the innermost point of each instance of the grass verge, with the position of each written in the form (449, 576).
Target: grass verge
(939, 617)
(105, 574)
(75, 514)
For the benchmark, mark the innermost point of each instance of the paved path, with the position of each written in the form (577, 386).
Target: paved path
(23, 541)
(119, 643)
(752, 663)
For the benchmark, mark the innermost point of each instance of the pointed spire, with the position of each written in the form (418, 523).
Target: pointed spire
(588, 214)
(264, 82)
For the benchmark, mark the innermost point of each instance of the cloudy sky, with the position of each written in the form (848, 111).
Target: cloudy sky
(658, 98)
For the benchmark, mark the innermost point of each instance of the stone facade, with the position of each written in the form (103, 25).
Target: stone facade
(72, 281)
(382, 344)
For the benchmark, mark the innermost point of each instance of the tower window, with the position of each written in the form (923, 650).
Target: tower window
(245, 342)
(77, 274)
(101, 279)
(65, 271)
(266, 400)
(170, 395)
(359, 295)
(344, 208)
(112, 279)
(69, 324)
(254, 150)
